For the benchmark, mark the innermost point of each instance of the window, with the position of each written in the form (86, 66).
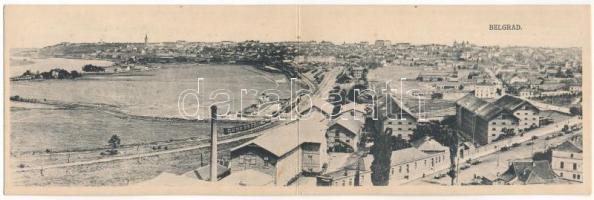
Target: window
(561, 174)
(526, 113)
(399, 123)
(574, 176)
(409, 123)
(578, 177)
(503, 123)
(241, 159)
(362, 177)
(410, 129)
(494, 129)
(571, 155)
(400, 169)
(399, 129)
(343, 182)
(493, 134)
(494, 123)
(561, 165)
(533, 118)
(266, 164)
(390, 123)
(574, 166)
(525, 118)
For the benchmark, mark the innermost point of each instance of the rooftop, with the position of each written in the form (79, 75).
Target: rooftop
(568, 146)
(529, 172)
(407, 155)
(478, 106)
(293, 134)
(428, 144)
(510, 103)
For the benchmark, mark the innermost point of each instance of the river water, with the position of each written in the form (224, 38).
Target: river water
(152, 93)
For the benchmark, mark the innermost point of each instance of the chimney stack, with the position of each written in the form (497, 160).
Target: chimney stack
(213, 144)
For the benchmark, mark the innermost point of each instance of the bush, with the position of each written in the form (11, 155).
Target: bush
(546, 155)
(92, 68)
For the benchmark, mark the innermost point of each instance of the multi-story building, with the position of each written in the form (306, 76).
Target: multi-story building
(575, 89)
(357, 72)
(528, 93)
(486, 91)
(567, 161)
(344, 134)
(482, 121)
(527, 114)
(413, 163)
(485, 122)
(402, 125)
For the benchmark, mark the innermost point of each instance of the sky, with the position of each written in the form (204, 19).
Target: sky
(556, 26)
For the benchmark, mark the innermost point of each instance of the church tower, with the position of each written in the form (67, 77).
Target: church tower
(146, 40)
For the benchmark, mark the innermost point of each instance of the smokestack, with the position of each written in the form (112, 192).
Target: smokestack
(213, 144)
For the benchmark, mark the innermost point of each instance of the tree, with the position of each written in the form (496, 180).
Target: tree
(436, 96)
(399, 143)
(92, 68)
(27, 73)
(546, 155)
(382, 152)
(569, 73)
(358, 173)
(114, 142)
(74, 74)
(575, 110)
(453, 145)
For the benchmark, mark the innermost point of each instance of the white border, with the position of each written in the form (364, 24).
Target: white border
(284, 2)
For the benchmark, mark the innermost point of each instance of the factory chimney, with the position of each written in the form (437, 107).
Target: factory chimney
(213, 144)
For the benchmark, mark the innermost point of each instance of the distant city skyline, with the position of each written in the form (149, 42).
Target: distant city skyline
(417, 25)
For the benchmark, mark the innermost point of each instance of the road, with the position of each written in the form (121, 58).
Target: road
(328, 83)
(496, 163)
(494, 160)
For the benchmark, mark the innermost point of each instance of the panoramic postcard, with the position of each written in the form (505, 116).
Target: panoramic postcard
(297, 100)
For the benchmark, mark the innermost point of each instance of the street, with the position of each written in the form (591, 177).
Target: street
(493, 164)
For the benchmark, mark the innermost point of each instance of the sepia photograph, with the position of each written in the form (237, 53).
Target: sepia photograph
(297, 99)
